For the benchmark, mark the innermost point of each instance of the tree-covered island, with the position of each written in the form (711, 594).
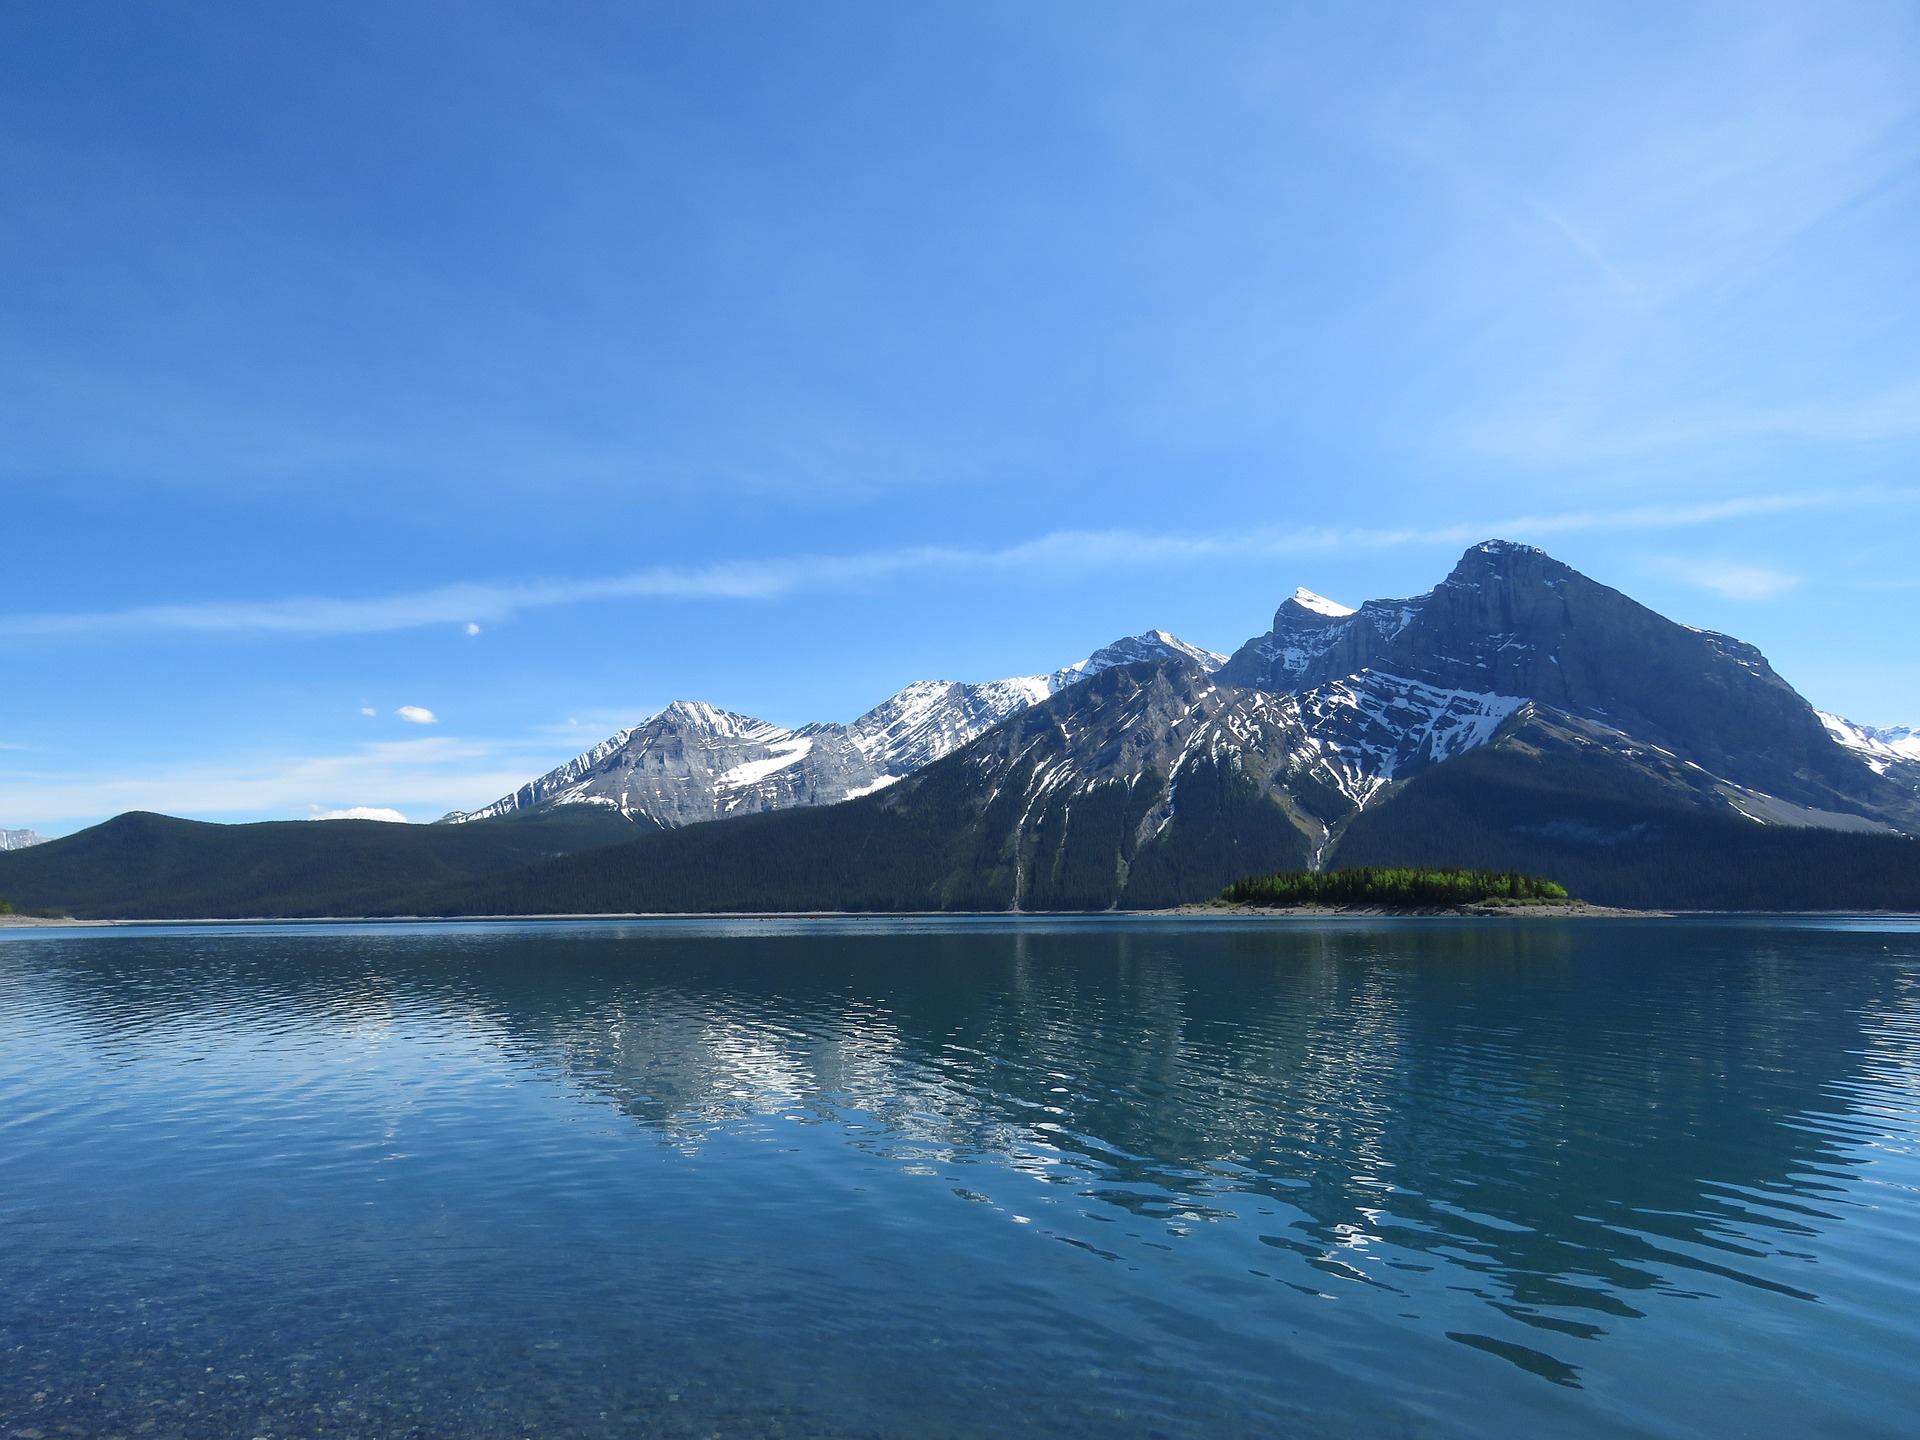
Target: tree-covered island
(1395, 889)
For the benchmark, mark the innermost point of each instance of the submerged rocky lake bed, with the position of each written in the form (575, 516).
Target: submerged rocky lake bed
(972, 1177)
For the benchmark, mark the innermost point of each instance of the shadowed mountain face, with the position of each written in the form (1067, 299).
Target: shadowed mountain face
(1625, 823)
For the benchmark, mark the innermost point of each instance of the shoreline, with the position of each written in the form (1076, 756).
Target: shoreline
(1199, 910)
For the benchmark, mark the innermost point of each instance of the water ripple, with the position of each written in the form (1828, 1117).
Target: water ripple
(987, 1178)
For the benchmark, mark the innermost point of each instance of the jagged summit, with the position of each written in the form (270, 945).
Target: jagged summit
(1131, 650)
(699, 717)
(1508, 562)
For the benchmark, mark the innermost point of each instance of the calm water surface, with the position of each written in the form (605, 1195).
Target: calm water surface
(972, 1178)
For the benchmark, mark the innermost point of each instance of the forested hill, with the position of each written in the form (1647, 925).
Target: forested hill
(158, 867)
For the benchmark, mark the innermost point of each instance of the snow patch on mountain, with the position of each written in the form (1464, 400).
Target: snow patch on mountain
(1883, 748)
(785, 753)
(20, 839)
(1377, 727)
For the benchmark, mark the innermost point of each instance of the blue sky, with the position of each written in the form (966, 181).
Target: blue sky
(532, 365)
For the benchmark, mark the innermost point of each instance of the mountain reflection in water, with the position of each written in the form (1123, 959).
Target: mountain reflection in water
(1333, 1177)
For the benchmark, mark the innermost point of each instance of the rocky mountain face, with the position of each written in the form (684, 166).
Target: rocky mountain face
(20, 839)
(1142, 780)
(1512, 624)
(693, 762)
(1595, 716)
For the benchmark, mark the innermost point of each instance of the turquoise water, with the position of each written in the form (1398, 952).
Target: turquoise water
(968, 1178)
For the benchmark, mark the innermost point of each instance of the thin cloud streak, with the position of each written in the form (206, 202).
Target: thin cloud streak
(429, 776)
(1732, 580)
(1076, 550)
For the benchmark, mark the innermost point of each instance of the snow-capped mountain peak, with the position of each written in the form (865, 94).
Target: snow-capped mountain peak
(20, 839)
(1152, 645)
(1320, 604)
(697, 717)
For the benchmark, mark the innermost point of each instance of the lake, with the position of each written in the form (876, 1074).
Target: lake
(976, 1177)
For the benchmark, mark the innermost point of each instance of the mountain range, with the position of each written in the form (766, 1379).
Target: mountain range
(694, 762)
(1517, 715)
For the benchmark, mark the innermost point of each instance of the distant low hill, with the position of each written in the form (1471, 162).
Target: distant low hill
(158, 867)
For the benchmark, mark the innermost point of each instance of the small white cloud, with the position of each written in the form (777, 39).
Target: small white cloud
(1734, 581)
(472, 629)
(364, 812)
(368, 710)
(417, 715)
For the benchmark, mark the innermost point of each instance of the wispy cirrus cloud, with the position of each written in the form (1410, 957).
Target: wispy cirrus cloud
(1732, 580)
(427, 776)
(1064, 551)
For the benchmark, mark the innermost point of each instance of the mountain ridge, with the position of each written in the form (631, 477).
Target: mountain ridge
(1518, 715)
(692, 762)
